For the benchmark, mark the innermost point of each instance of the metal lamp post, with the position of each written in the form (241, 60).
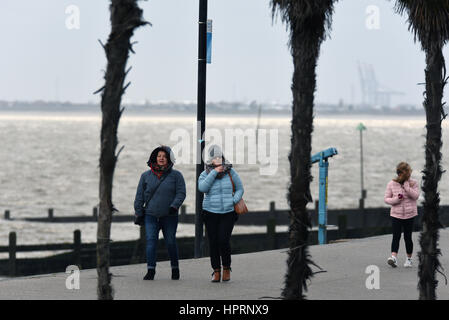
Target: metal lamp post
(201, 122)
(361, 127)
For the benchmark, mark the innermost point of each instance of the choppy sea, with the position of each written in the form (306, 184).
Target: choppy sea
(51, 160)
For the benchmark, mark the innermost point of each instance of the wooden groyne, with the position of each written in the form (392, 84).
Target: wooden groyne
(83, 255)
(355, 217)
(343, 224)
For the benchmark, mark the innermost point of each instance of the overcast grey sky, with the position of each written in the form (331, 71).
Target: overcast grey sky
(43, 59)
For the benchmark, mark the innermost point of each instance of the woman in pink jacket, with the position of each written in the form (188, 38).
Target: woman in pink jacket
(402, 193)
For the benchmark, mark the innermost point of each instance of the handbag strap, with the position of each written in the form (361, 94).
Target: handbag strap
(232, 181)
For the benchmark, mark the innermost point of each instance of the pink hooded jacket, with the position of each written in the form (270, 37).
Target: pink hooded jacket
(405, 208)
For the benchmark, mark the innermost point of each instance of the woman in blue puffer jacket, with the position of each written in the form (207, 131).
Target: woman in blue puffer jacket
(218, 209)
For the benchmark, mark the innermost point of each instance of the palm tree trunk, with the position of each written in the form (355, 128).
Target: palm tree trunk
(125, 17)
(428, 256)
(305, 52)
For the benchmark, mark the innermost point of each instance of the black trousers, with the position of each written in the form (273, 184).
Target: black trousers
(400, 225)
(219, 229)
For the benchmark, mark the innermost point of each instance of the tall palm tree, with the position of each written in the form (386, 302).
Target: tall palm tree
(125, 17)
(429, 21)
(309, 22)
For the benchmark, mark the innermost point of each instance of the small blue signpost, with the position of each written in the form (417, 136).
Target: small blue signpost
(209, 42)
(322, 158)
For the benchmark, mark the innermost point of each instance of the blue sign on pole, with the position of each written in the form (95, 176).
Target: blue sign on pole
(209, 41)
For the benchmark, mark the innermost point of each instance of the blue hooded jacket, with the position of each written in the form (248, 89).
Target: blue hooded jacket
(171, 192)
(218, 192)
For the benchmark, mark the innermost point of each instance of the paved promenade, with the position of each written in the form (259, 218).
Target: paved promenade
(255, 276)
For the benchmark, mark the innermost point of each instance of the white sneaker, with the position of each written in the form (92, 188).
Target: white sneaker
(408, 263)
(392, 261)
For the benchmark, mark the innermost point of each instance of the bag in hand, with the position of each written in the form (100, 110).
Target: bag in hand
(139, 219)
(239, 207)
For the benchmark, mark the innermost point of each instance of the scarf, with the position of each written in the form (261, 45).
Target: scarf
(226, 168)
(158, 170)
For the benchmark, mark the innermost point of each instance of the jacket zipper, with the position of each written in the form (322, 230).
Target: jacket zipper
(403, 198)
(221, 194)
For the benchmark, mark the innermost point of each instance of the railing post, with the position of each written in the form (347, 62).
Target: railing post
(12, 254)
(142, 247)
(77, 248)
(206, 247)
(315, 220)
(138, 255)
(182, 216)
(95, 213)
(272, 208)
(7, 215)
(271, 234)
(50, 214)
(271, 227)
(361, 204)
(363, 212)
(342, 226)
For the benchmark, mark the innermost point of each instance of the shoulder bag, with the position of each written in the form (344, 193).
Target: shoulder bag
(239, 207)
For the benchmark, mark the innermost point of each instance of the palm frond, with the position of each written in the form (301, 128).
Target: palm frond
(428, 20)
(305, 15)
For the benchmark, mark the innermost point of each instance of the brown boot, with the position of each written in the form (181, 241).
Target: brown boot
(227, 273)
(216, 275)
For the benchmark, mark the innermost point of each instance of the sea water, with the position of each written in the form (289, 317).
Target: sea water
(51, 160)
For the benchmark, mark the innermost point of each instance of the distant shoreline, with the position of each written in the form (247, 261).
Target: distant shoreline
(215, 109)
(67, 112)
(17, 114)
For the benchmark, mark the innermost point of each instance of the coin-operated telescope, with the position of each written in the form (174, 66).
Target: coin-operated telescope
(322, 157)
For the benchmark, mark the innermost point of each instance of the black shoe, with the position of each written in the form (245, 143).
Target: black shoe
(150, 274)
(175, 273)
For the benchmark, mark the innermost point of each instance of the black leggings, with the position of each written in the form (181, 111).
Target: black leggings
(219, 229)
(398, 226)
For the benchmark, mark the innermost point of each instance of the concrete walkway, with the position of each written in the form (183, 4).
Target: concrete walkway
(255, 276)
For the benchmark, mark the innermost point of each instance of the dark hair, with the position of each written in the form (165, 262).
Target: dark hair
(153, 156)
